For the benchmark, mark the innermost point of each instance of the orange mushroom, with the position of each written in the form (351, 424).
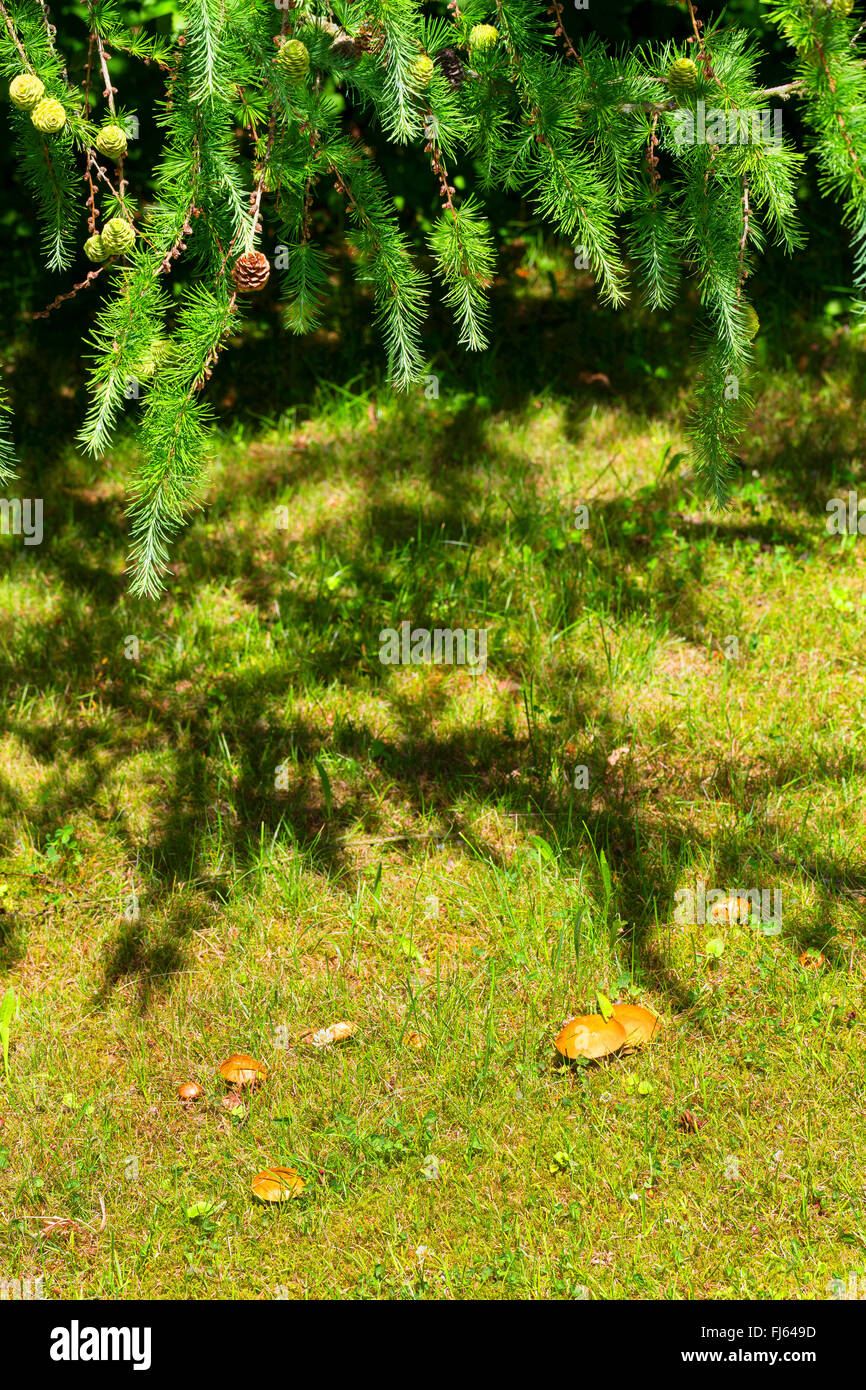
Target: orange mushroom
(241, 1070)
(189, 1091)
(590, 1035)
(639, 1024)
(731, 910)
(276, 1184)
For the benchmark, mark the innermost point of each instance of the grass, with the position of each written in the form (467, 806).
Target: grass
(309, 835)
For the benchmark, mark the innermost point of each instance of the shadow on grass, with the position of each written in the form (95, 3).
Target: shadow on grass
(328, 636)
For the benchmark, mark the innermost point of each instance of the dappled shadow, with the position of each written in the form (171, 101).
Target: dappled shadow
(326, 634)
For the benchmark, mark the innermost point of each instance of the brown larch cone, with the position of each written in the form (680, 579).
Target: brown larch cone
(250, 272)
(345, 48)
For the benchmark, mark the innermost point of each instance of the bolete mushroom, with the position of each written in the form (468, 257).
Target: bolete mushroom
(639, 1024)
(240, 1070)
(189, 1092)
(590, 1035)
(276, 1184)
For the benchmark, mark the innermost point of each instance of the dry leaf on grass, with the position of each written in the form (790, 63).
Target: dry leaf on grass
(812, 959)
(614, 757)
(56, 1225)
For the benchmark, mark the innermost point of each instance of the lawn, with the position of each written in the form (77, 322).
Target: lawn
(226, 824)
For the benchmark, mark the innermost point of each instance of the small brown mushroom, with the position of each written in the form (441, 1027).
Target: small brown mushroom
(590, 1035)
(731, 910)
(241, 1070)
(189, 1092)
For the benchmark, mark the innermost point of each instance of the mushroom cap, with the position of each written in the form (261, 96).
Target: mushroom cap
(276, 1184)
(731, 910)
(640, 1025)
(241, 1070)
(190, 1090)
(334, 1033)
(342, 1030)
(590, 1035)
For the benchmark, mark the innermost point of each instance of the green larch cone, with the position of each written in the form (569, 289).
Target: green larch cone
(682, 77)
(423, 69)
(483, 36)
(25, 91)
(48, 116)
(293, 59)
(118, 237)
(752, 322)
(153, 357)
(111, 141)
(94, 249)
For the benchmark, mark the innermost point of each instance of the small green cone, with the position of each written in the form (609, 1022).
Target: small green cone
(682, 77)
(153, 357)
(483, 37)
(752, 322)
(48, 116)
(25, 91)
(423, 69)
(94, 249)
(293, 59)
(118, 237)
(111, 141)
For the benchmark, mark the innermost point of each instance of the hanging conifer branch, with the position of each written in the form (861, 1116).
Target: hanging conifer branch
(84, 284)
(10, 27)
(8, 459)
(616, 150)
(561, 33)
